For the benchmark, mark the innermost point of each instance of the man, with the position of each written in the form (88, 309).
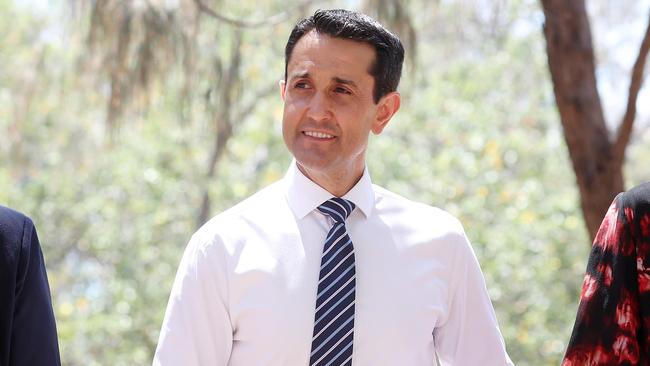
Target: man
(27, 326)
(324, 268)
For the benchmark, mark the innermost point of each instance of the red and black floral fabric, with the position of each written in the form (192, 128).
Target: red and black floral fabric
(613, 322)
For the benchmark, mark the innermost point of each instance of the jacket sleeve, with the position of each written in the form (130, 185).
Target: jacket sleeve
(34, 337)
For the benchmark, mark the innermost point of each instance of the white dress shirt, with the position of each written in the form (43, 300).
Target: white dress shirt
(245, 291)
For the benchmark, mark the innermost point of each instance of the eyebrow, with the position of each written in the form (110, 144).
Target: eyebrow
(345, 82)
(336, 79)
(301, 75)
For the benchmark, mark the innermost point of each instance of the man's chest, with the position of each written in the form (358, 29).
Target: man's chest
(400, 296)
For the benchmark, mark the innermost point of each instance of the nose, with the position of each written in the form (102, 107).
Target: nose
(320, 107)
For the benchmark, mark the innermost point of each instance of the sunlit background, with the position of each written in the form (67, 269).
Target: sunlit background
(125, 126)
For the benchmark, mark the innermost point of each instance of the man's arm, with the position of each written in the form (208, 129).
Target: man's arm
(470, 334)
(33, 339)
(196, 329)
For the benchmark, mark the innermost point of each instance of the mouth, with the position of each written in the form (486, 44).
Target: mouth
(318, 135)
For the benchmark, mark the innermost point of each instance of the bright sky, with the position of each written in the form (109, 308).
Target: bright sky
(618, 34)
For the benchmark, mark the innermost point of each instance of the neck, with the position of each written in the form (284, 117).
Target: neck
(337, 184)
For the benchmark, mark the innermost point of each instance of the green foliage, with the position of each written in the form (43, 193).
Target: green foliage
(486, 146)
(477, 135)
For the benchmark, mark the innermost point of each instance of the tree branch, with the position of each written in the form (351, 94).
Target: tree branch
(246, 110)
(238, 22)
(625, 129)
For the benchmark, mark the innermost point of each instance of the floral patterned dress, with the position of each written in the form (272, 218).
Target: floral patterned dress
(613, 322)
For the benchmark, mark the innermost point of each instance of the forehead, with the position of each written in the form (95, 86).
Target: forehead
(317, 52)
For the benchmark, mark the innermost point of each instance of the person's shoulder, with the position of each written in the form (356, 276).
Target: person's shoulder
(418, 214)
(431, 231)
(15, 229)
(259, 204)
(635, 205)
(11, 216)
(253, 209)
(637, 196)
(12, 224)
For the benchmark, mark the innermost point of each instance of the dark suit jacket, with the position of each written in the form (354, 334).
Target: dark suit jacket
(27, 326)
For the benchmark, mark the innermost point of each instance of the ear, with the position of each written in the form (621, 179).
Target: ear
(283, 88)
(387, 107)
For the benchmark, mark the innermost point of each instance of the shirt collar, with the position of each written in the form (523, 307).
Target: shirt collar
(304, 195)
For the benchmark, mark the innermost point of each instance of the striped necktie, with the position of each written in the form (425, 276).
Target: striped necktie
(334, 320)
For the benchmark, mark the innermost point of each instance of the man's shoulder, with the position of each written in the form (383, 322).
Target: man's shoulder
(258, 203)
(256, 209)
(418, 213)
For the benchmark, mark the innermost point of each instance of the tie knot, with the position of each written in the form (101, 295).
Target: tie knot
(337, 208)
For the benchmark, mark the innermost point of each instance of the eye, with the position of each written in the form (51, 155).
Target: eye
(301, 85)
(342, 90)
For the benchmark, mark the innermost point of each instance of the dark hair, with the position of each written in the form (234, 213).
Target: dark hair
(339, 23)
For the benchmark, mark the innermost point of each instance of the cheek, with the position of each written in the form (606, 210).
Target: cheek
(294, 109)
(291, 124)
(296, 99)
(290, 114)
(357, 136)
(287, 122)
(288, 128)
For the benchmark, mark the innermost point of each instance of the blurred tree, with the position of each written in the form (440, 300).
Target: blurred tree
(597, 157)
(139, 42)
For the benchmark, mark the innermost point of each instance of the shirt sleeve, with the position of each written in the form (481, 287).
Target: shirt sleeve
(34, 327)
(470, 334)
(609, 322)
(196, 329)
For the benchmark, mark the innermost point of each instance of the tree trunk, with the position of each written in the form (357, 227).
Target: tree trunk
(571, 62)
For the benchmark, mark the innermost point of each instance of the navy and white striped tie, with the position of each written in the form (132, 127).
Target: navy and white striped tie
(334, 321)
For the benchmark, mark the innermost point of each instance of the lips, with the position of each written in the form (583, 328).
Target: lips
(318, 135)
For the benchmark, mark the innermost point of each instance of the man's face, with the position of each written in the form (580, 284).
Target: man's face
(328, 105)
